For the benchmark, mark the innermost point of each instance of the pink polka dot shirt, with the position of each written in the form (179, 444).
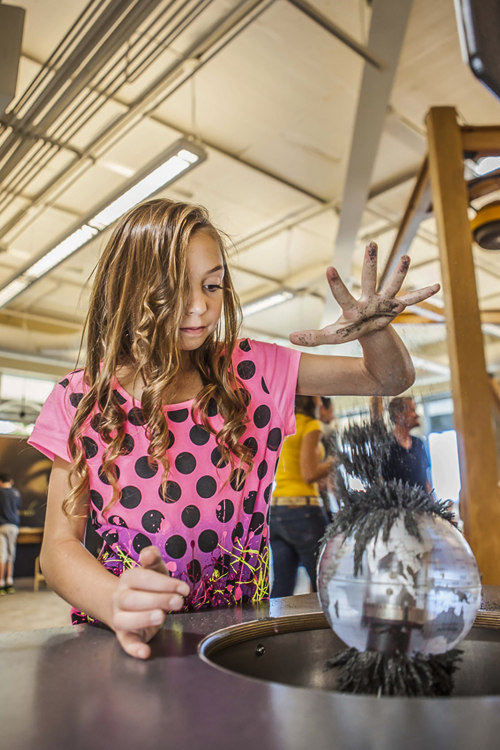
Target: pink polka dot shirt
(210, 525)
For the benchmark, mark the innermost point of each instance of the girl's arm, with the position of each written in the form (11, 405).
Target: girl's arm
(133, 605)
(385, 369)
(311, 468)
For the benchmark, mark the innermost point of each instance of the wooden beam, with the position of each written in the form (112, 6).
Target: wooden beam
(480, 140)
(479, 501)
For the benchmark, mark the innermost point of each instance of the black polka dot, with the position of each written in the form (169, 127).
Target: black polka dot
(237, 480)
(176, 546)
(264, 386)
(136, 416)
(119, 397)
(212, 408)
(274, 439)
(64, 382)
(262, 469)
(244, 345)
(249, 502)
(141, 541)
(185, 463)
(208, 540)
(178, 415)
(267, 492)
(114, 470)
(96, 499)
(130, 497)
(151, 521)
(194, 570)
(171, 493)
(95, 422)
(252, 444)
(262, 416)
(110, 536)
(246, 369)
(93, 517)
(257, 523)
(199, 435)
(225, 511)
(75, 399)
(127, 445)
(118, 521)
(206, 486)
(237, 532)
(144, 469)
(190, 516)
(89, 447)
(216, 457)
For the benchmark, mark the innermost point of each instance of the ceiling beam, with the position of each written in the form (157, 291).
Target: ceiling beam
(387, 29)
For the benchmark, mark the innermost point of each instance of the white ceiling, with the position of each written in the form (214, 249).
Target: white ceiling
(274, 101)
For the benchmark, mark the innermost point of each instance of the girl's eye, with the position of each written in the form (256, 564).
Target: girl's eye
(213, 287)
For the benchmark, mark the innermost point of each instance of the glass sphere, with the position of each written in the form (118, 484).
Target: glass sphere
(410, 595)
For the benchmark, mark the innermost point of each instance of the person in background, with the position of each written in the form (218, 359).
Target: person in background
(326, 486)
(298, 520)
(407, 459)
(10, 501)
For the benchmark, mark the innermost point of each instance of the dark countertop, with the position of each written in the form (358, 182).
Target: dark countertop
(74, 689)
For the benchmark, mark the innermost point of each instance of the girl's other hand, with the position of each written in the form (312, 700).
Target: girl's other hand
(140, 601)
(372, 311)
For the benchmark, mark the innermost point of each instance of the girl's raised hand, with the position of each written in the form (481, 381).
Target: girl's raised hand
(140, 601)
(372, 311)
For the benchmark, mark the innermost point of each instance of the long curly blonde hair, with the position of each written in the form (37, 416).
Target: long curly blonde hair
(137, 303)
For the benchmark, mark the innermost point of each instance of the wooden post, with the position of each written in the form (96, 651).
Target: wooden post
(479, 497)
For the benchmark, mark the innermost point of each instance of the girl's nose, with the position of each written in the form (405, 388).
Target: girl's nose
(196, 303)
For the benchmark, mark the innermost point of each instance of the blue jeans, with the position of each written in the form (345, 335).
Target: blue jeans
(294, 536)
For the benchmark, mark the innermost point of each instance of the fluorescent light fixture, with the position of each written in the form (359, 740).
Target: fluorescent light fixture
(12, 289)
(179, 159)
(61, 251)
(263, 303)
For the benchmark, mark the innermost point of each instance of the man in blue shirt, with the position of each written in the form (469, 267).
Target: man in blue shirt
(407, 459)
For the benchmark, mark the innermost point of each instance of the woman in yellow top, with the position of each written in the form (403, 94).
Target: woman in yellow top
(298, 520)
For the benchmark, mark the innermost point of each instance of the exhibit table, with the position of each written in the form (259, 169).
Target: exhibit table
(74, 689)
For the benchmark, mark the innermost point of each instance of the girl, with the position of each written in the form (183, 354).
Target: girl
(170, 435)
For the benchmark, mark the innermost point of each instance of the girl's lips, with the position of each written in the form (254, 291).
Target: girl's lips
(193, 331)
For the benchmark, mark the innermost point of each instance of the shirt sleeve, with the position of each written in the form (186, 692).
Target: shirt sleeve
(313, 425)
(280, 367)
(51, 431)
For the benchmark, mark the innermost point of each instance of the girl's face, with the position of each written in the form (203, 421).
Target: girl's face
(203, 307)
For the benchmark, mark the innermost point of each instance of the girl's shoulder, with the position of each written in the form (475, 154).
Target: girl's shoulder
(74, 379)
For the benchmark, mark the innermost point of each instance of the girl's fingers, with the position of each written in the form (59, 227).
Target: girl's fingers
(397, 277)
(369, 271)
(418, 295)
(314, 337)
(152, 618)
(131, 600)
(150, 558)
(340, 291)
(145, 579)
(304, 338)
(133, 644)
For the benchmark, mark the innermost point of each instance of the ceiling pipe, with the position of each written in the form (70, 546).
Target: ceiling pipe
(218, 36)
